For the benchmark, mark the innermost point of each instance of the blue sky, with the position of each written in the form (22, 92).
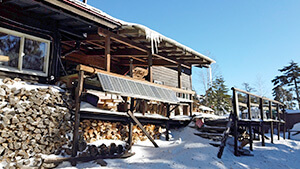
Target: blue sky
(250, 40)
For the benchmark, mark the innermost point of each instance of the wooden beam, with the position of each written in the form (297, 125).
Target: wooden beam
(132, 44)
(155, 62)
(77, 114)
(262, 128)
(127, 56)
(96, 44)
(95, 70)
(172, 52)
(140, 38)
(171, 61)
(235, 120)
(272, 125)
(264, 98)
(107, 53)
(130, 31)
(131, 68)
(186, 58)
(84, 14)
(179, 76)
(142, 128)
(249, 124)
(96, 61)
(194, 61)
(31, 7)
(167, 122)
(95, 37)
(104, 32)
(138, 59)
(119, 52)
(145, 64)
(163, 49)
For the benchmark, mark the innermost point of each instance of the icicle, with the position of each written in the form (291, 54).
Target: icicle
(154, 38)
(152, 48)
(156, 46)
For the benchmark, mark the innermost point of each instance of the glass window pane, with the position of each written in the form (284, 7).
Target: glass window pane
(9, 50)
(35, 53)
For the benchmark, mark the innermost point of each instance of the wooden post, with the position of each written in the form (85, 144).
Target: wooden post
(179, 76)
(130, 124)
(284, 124)
(250, 124)
(144, 106)
(278, 123)
(107, 53)
(225, 135)
(149, 76)
(272, 125)
(235, 121)
(167, 122)
(191, 109)
(185, 109)
(77, 114)
(262, 122)
(131, 67)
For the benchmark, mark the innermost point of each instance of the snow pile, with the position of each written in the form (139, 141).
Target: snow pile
(296, 127)
(186, 150)
(207, 115)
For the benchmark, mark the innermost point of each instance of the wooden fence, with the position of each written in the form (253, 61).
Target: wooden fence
(268, 113)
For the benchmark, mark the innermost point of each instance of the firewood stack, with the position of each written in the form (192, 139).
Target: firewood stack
(32, 122)
(93, 130)
(139, 73)
(106, 101)
(102, 150)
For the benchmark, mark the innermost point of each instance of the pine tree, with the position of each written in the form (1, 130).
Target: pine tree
(284, 96)
(217, 97)
(289, 79)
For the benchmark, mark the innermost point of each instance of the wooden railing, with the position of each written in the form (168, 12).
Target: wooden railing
(264, 118)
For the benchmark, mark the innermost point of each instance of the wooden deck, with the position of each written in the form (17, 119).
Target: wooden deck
(88, 111)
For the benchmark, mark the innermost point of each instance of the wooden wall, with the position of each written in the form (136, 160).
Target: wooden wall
(169, 77)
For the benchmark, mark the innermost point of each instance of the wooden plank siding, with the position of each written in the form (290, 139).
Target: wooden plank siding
(169, 77)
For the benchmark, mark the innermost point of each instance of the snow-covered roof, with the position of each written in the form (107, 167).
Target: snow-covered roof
(204, 108)
(292, 111)
(152, 36)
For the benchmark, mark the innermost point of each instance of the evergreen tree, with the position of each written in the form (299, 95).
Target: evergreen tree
(289, 79)
(284, 96)
(217, 96)
(248, 88)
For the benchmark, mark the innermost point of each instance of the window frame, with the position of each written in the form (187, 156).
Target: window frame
(22, 37)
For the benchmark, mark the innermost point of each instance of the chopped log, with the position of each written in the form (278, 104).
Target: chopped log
(26, 129)
(86, 159)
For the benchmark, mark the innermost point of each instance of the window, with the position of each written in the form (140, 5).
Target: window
(23, 53)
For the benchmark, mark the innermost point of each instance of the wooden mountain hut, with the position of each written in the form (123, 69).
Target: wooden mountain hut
(129, 67)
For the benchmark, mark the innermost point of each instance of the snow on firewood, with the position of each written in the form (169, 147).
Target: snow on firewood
(34, 120)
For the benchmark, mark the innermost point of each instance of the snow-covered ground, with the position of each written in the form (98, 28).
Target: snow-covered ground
(187, 150)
